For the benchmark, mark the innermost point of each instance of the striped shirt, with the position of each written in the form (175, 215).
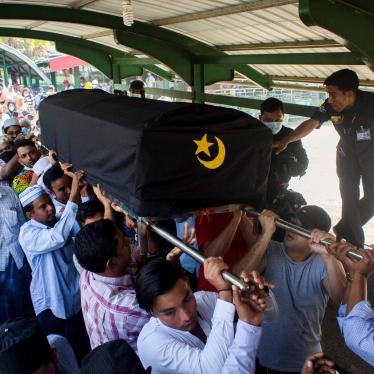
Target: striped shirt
(358, 329)
(110, 308)
(11, 219)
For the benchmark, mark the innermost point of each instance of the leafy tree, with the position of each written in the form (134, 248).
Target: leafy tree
(32, 48)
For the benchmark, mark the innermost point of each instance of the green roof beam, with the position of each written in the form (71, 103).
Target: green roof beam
(96, 54)
(337, 58)
(183, 46)
(134, 61)
(352, 20)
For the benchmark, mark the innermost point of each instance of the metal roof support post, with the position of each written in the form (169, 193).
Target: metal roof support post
(30, 77)
(5, 69)
(76, 74)
(116, 74)
(198, 83)
(53, 79)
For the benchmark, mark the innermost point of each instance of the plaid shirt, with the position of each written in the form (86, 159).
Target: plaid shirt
(11, 219)
(110, 308)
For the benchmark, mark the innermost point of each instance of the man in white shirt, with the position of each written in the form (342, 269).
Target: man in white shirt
(47, 243)
(195, 333)
(356, 316)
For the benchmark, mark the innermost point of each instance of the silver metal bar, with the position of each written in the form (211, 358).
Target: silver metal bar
(302, 232)
(227, 276)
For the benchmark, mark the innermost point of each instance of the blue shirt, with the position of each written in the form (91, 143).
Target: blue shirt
(11, 219)
(357, 329)
(187, 262)
(49, 250)
(295, 332)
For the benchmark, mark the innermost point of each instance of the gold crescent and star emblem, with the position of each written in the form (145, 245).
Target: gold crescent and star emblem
(203, 147)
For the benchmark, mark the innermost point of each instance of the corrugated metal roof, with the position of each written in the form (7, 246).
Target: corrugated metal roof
(275, 24)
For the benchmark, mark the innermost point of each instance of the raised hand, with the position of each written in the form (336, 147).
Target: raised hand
(316, 237)
(317, 363)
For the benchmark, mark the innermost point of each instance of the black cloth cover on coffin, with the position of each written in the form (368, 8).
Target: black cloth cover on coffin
(142, 152)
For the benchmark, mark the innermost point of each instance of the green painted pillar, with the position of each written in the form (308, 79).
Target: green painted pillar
(53, 79)
(30, 78)
(5, 69)
(116, 74)
(198, 83)
(76, 74)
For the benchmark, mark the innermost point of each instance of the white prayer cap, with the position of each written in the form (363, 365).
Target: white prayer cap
(41, 166)
(10, 122)
(31, 194)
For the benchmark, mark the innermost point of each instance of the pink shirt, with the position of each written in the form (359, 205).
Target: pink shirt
(110, 308)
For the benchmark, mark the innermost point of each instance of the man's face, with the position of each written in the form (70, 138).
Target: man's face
(43, 210)
(294, 241)
(340, 100)
(61, 187)
(121, 261)
(276, 116)
(28, 155)
(177, 308)
(13, 131)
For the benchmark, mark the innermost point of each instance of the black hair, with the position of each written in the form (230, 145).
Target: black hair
(88, 209)
(345, 80)
(95, 244)
(112, 357)
(52, 174)
(270, 105)
(24, 143)
(28, 208)
(137, 84)
(156, 278)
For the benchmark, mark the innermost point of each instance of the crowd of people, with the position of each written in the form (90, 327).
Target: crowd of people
(79, 293)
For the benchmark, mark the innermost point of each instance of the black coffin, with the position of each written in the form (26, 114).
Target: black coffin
(159, 158)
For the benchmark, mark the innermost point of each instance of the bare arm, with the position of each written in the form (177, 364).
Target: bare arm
(11, 169)
(304, 129)
(335, 282)
(360, 270)
(246, 229)
(221, 244)
(253, 259)
(108, 211)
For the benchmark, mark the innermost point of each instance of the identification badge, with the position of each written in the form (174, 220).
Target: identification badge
(363, 134)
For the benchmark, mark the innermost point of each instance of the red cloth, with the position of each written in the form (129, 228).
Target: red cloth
(65, 62)
(207, 229)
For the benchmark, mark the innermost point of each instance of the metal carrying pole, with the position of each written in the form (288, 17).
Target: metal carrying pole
(227, 276)
(301, 231)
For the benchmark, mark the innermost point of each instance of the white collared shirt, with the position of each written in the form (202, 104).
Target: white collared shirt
(357, 328)
(49, 250)
(168, 350)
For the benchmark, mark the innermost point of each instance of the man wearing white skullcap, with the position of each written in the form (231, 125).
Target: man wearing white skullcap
(47, 243)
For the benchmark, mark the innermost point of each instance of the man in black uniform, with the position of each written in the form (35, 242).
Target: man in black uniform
(352, 113)
(291, 163)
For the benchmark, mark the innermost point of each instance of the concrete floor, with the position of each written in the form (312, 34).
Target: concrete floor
(333, 344)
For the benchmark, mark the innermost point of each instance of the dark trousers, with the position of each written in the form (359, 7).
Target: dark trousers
(72, 328)
(355, 211)
(15, 299)
(263, 370)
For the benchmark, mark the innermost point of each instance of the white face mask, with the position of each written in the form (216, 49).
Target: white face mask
(275, 127)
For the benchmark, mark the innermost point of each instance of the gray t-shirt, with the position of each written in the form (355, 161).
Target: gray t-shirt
(301, 296)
